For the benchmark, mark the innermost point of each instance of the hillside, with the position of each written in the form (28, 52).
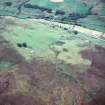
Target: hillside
(90, 14)
(52, 53)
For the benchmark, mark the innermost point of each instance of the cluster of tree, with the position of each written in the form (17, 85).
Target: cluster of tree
(38, 7)
(24, 45)
(59, 12)
(64, 16)
(8, 3)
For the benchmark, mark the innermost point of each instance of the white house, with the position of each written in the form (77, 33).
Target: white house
(57, 1)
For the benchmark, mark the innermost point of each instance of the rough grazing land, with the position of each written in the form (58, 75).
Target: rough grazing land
(43, 83)
(43, 64)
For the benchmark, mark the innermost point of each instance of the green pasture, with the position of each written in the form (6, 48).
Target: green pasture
(40, 37)
(48, 42)
(4, 65)
(67, 5)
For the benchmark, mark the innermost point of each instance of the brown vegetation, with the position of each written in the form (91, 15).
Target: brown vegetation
(38, 83)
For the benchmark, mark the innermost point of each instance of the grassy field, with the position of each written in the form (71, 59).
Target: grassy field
(67, 5)
(46, 41)
(4, 66)
(39, 37)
